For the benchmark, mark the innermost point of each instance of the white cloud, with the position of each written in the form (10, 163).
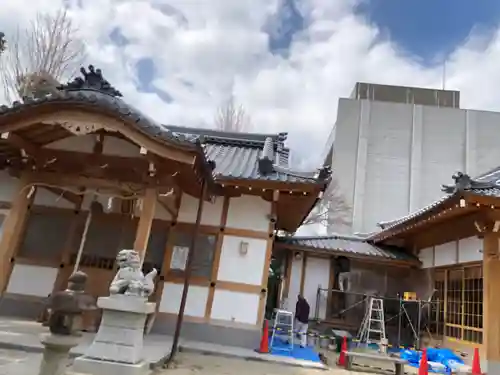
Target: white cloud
(203, 49)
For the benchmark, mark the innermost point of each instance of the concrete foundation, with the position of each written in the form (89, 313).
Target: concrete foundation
(86, 365)
(25, 307)
(247, 338)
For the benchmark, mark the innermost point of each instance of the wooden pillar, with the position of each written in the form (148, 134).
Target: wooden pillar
(145, 221)
(267, 263)
(13, 229)
(491, 301)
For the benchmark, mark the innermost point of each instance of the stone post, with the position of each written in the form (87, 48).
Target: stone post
(117, 348)
(66, 308)
(56, 353)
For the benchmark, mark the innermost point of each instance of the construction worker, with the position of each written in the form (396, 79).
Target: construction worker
(302, 310)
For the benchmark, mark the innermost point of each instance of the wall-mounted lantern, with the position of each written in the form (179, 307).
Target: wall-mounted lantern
(243, 248)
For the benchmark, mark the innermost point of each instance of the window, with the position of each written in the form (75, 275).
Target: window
(436, 325)
(203, 256)
(458, 304)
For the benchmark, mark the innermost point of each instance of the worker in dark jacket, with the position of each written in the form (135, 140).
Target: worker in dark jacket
(302, 319)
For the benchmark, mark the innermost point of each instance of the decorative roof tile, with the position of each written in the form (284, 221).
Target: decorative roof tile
(249, 156)
(349, 245)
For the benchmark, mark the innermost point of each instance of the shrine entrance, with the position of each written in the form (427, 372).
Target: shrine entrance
(93, 176)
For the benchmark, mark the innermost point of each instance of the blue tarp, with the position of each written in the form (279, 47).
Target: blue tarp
(280, 348)
(443, 356)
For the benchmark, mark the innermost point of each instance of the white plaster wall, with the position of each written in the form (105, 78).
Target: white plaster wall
(470, 250)
(85, 143)
(29, 280)
(426, 256)
(390, 160)
(161, 213)
(8, 187)
(45, 197)
(196, 302)
(456, 252)
(120, 147)
(317, 274)
(236, 307)
(81, 143)
(248, 268)
(445, 254)
(211, 214)
(249, 212)
(294, 286)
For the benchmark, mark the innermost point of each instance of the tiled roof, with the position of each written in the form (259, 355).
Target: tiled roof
(105, 100)
(243, 156)
(237, 155)
(348, 245)
(485, 185)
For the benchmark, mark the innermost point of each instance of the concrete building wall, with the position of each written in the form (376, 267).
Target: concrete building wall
(390, 159)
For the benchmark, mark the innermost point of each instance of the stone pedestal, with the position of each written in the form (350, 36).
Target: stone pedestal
(118, 344)
(56, 353)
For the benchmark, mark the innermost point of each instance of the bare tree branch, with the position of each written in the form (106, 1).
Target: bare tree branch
(41, 55)
(3, 42)
(332, 210)
(232, 118)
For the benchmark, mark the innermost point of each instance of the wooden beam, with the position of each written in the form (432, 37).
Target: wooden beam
(303, 273)
(85, 116)
(267, 262)
(20, 143)
(58, 179)
(67, 195)
(100, 166)
(145, 222)
(12, 229)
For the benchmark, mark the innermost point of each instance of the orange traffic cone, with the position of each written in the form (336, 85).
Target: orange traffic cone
(264, 340)
(476, 365)
(342, 360)
(423, 369)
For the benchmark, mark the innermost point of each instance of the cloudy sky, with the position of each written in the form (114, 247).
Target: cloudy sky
(286, 61)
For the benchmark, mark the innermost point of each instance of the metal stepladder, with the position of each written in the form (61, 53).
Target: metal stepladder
(282, 330)
(373, 326)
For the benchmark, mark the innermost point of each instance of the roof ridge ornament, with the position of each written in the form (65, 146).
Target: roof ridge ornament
(463, 182)
(92, 80)
(266, 160)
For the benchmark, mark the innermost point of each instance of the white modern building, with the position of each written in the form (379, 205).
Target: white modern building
(392, 146)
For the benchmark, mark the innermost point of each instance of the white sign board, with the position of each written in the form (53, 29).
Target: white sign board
(179, 258)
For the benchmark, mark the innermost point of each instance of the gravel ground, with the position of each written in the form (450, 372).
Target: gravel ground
(191, 364)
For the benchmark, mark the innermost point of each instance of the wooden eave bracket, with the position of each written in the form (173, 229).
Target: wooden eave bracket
(21, 144)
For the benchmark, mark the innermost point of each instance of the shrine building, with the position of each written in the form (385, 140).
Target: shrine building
(85, 175)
